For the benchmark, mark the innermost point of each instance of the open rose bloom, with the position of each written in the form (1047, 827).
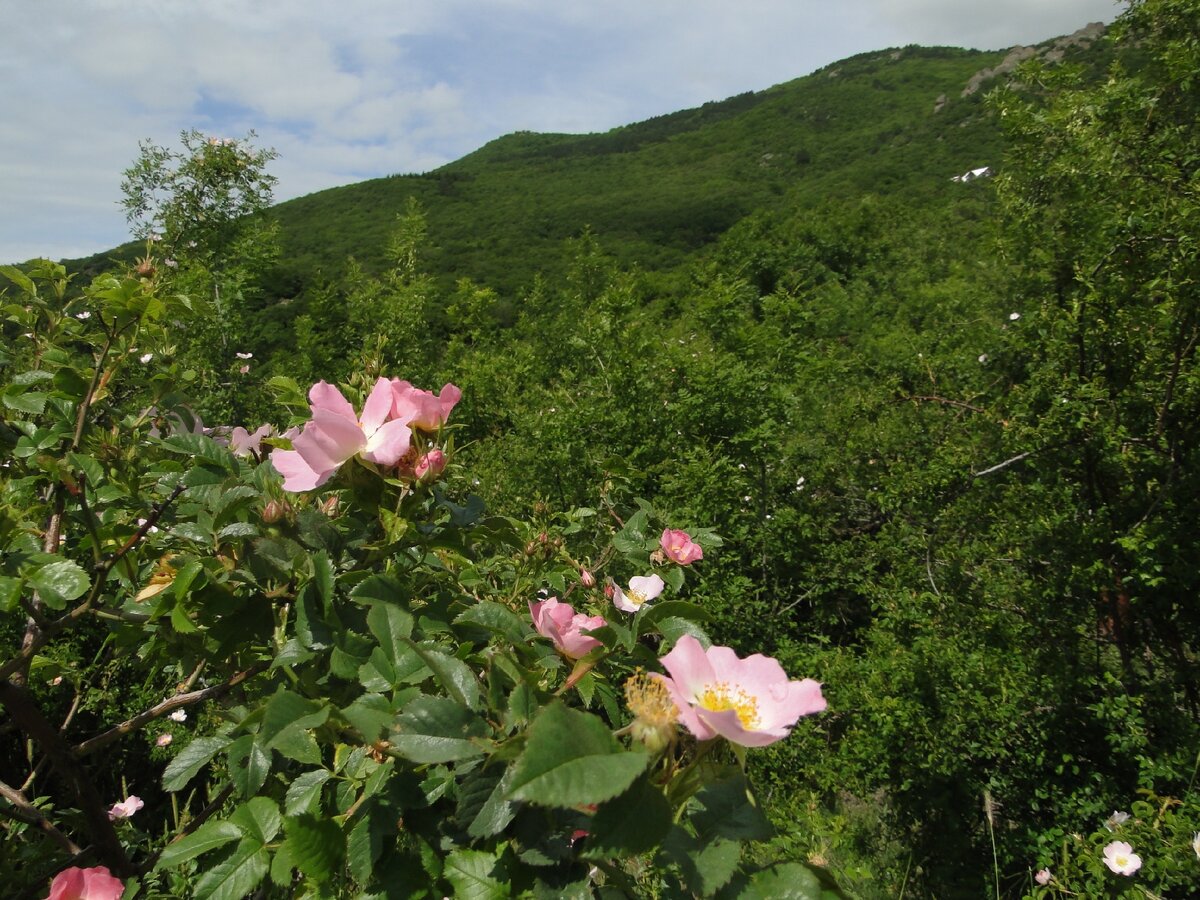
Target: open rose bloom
(680, 548)
(126, 807)
(1119, 857)
(642, 589)
(336, 434)
(747, 701)
(86, 884)
(565, 627)
(423, 409)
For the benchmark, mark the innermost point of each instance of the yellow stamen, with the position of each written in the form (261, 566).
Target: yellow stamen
(719, 696)
(649, 700)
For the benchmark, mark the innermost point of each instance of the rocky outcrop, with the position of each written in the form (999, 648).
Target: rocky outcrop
(1051, 52)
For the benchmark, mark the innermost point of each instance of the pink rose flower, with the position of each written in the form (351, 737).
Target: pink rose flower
(565, 627)
(86, 884)
(1119, 857)
(335, 434)
(642, 589)
(245, 443)
(1043, 876)
(680, 548)
(422, 409)
(747, 701)
(126, 807)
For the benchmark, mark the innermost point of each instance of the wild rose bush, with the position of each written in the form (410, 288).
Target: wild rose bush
(367, 685)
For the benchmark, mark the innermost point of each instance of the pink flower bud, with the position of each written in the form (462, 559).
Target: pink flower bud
(586, 578)
(430, 466)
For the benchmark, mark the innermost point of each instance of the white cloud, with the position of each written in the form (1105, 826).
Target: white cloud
(364, 88)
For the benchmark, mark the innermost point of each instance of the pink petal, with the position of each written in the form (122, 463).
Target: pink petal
(298, 476)
(378, 406)
(388, 445)
(687, 712)
(323, 395)
(329, 440)
(689, 667)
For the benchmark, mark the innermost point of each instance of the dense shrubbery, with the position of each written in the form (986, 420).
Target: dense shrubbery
(949, 440)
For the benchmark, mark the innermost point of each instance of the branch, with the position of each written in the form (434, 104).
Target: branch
(30, 814)
(191, 826)
(1003, 465)
(945, 401)
(29, 719)
(161, 709)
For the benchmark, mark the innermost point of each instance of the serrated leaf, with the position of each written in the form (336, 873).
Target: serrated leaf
(727, 810)
(60, 582)
(191, 760)
(705, 867)
(315, 845)
(371, 715)
(497, 619)
(453, 674)
(437, 729)
(470, 872)
(378, 589)
(673, 628)
(788, 881)
(259, 819)
(237, 531)
(365, 843)
(390, 624)
(303, 791)
(633, 822)
(287, 712)
(209, 836)
(249, 765)
(571, 759)
(236, 877)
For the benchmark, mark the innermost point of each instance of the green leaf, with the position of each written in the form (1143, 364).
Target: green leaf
(371, 715)
(437, 729)
(32, 402)
(788, 881)
(303, 792)
(287, 712)
(315, 844)
(191, 760)
(236, 877)
(497, 619)
(323, 576)
(10, 593)
(728, 810)
(209, 836)
(249, 764)
(631, 823)
(390, 624)
(379, 589)
(673, 628)
(705, 866)
(60, 582)
(571, 759)
(453, 674)
(259, 819)
(364, 846)
(470, 872)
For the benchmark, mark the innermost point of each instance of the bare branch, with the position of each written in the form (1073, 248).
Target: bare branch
(25, 811)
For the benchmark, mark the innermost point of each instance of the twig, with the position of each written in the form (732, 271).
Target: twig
(192, 825)
(30, 814)
(1003, 465)
(161, 709)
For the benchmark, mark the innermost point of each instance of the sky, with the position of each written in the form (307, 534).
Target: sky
(359, 89)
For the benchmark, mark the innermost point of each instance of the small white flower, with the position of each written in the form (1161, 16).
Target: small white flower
(146, 357)
(1012, 317)
(244, 355)
(170, 263)
(163, 740)
(83, 315)
(1196, 844)
(180, 715)
(1043, 876)
(1117, 819)
(983, 358)
(1120, 858)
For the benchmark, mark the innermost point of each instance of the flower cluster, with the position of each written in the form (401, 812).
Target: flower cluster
(381, 434)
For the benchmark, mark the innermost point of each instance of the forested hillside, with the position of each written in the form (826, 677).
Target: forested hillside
(947, 433)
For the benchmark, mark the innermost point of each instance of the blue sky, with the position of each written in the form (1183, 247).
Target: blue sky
(365, 88)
